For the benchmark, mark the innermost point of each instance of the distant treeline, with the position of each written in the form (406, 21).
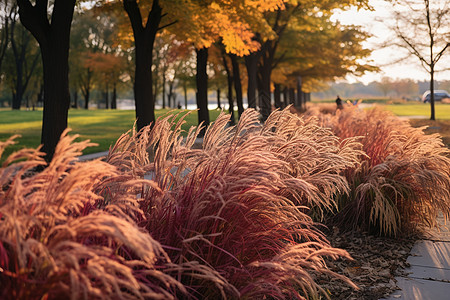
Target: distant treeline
(387, 87)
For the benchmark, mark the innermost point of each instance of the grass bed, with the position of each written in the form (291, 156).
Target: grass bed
(100, 126)
(419, 109)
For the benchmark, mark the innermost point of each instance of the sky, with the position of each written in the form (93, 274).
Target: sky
(385, 57)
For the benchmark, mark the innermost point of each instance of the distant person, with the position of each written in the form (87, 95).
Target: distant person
(179, 105)
(339, 103)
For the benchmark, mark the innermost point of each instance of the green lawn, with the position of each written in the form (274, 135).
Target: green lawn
(378, 100)
(420, 109)
(105, 126)
(100, 126)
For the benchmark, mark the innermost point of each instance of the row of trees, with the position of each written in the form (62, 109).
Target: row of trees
(386, 87)
(286, 42)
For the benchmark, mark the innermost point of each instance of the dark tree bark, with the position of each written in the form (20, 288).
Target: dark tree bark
(75, 99)
(300, 99)
(237, 84)
(185, 94)
(265, 99)
(86, 87)
(202, 87)
(106, 97)
(144, 38)
(230, 89)
(171, 95)
(307, 97)
(155, 87)
(114, 97)
(267, 62)
(86, 99)
(218, 99)
(251, 63)
(285, 96)
(164, 90)
(291, 96)
(53, 38)
(433, 112)
(277, 96)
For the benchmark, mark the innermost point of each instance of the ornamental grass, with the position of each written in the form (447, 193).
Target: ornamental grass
(159, 219)
(403, 181)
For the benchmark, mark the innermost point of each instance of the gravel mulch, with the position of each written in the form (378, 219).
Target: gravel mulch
(377, 260)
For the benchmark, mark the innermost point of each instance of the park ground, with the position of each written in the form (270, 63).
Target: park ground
(105, 126)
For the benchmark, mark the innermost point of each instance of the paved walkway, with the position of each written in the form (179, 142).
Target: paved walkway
(93, 156)
(198, 143)
(429, 272)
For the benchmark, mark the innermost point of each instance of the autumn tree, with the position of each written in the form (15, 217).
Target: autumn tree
(169, 61)
(186, 77)
(7, 11)
(23, 58)
(200, 23)
(327, 51)
(422, 27)
(108, 68)
(50, 25)
(145, 22)
(405, 87)
(92, 33)
(219, 78)
(385, 85)
(268, 57)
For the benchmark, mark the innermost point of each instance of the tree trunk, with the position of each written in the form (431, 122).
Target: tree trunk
(285, 96)
(265, 99)
(185, 95)
(18, 94)
(56, 95)
(432, 117)
(164, 90)
(144, 38)
(19, 60)
(75, 99)
(237, 84)
(54, 43)
(171, 95)
(291, 96)
(307, 97)
(86, 99)
(277, 96)
(155, 87)
(230, 90)
(19, 88)
(106, 97)
(114, 97)
(299, 103)
(251, 63)
(202, 87)
(218, 99)
(86, 88)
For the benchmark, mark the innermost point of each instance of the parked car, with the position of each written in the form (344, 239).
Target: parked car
(438, 95)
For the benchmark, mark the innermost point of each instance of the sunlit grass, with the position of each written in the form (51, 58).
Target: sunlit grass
(100, 126)
(420, 109)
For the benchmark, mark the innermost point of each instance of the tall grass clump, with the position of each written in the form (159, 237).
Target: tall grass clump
(403, 181)
(160, 219)
(233, 214)
(60, 238)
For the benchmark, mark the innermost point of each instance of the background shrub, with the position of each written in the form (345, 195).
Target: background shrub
(403, 181)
